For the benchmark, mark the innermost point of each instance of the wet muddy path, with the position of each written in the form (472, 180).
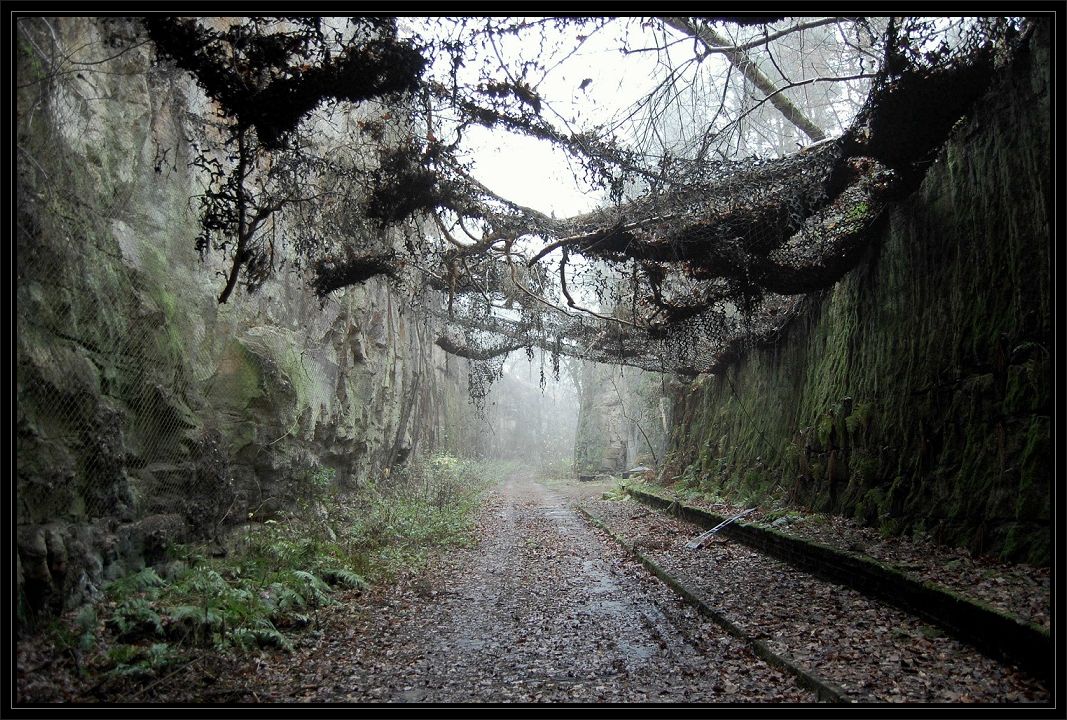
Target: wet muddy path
(541, 609)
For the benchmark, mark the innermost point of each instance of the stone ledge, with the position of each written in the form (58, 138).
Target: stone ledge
(995, 633)
(825, 691)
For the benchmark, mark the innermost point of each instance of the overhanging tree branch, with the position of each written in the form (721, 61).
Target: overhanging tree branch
(714, 42)
(698, 255)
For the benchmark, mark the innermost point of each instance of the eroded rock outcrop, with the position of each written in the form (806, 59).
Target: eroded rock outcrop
(915, 395)
(147, 412)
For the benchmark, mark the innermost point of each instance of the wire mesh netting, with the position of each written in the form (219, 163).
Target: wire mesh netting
(113, 396)
(706, 258)
(713, 257)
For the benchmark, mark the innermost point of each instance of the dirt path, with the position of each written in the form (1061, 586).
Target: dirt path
(541, 609)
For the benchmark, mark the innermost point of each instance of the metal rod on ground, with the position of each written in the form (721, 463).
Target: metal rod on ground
(699, 539)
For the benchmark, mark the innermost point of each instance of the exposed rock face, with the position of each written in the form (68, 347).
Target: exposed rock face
(621, 422)
(600, 443)
(916, 394)
(146, 411)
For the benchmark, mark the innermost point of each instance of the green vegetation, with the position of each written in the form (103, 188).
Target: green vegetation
(914, 395)
(278, 572)
(425, 504)
(857, 212)
(559, 471)
(617, 493)
(790, 515)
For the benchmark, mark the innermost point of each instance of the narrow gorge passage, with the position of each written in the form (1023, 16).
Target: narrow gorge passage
(367, 359)
(542, 608)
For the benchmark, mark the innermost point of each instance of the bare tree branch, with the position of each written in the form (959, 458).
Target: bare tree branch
(775, 35)
(714, 42)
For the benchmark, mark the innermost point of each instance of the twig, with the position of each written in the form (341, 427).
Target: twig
(530, 293)
(699, 539)
(282, 437)
(576, 306)
(224, 516)
(764, 39)
(447, 235)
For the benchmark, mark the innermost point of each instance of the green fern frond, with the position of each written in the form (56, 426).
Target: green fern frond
(185, 613)
(262, 637)
(136, 617)
(345, 577)
(284, 598)
(312, 582)
(140, 581)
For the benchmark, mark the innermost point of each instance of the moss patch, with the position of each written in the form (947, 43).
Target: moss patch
(915, 394)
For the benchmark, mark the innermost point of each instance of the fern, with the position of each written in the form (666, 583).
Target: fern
(247, 638)
(198, 622)
(141, 581)
(284, 598)
(135, 671)
(86, 618)
(240, 594)
(185, 614)
(161, 656)
(244, 638)
(136, 663)
(239, 603)
(205, 581)
(123, 654)
(315, 588)
(297, 620)
(135, 617)
(344, 577)
(86, 624)
(268, 586)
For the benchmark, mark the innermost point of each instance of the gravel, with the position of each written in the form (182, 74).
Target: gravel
(543, 609)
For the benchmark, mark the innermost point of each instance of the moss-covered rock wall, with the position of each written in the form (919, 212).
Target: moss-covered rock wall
(915, 394)
(146, 412)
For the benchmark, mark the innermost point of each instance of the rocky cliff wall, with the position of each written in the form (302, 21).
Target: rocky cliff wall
(146, 412)
(621, 420)
(915, 395)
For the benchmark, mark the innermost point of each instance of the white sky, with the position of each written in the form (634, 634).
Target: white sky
(528, 171)
(535, 173)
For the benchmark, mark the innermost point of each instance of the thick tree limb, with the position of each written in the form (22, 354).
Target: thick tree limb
(775, 35)
(715, 42)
